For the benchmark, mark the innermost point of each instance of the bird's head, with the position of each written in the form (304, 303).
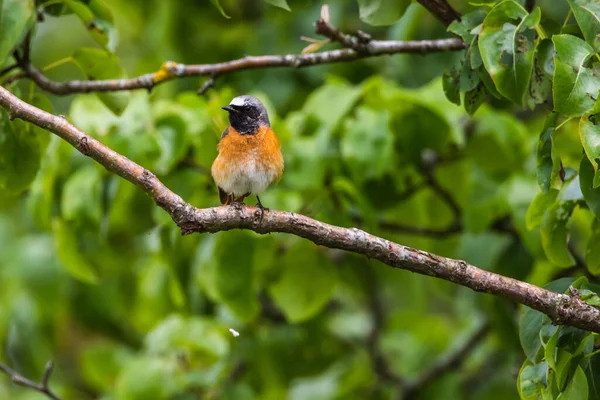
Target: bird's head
(247, 114)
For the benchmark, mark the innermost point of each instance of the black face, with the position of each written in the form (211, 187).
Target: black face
(247, 114)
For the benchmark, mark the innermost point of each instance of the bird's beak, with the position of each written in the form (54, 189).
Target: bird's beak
(229, 109)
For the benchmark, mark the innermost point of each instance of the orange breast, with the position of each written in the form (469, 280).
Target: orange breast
(236, 151)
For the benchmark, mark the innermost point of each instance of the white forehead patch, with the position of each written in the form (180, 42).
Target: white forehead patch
(238, 101)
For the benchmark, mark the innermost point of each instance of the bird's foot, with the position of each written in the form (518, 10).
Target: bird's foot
(261, 208)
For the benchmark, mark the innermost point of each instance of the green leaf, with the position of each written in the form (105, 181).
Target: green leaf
(20, 154)
(69, 254)
(577, 388)
(367, 146)
(450, 83)
(148, 377)
(532, 380)
(306, 283)
(530, 324)
(589, 133)
(331, 102)
(381, 12)
(279, 3)
(548, 163)
(538, 207)
(16, 18)
(469, 78)
(555, 233)
(194, 336)
(98, 64)
(81, 198)
(227, 272)
(100, 364)
(507, 46)
(543, 70)
(575, 88)
(217, 4)
(466, 25)
(97, 19)
(589, 297)
(587, 14)
(173, 141)
(550, 349)
(591, 195)
(592, 252)
(475, 98)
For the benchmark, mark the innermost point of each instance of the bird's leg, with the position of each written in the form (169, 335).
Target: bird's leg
(261, 208)
(228, 200)
(240, 199)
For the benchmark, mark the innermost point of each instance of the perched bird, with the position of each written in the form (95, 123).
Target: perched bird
(249, 157)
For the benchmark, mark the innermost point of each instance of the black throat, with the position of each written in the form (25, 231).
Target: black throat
(244, 125)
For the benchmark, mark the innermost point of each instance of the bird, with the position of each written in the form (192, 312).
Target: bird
(249, 156)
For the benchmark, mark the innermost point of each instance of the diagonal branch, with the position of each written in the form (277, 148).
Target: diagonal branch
(441, 10)
(561, 308)
(445, 363)
(20, 380)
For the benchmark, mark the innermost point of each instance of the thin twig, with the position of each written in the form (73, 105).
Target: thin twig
(561, 308)
(380, 365)
(171, 70)
(20, 380)
(8, 69)
(411, 390)
(210, 82)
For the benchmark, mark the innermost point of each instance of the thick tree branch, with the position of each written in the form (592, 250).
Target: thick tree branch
(20, 380)
(561, 308)
(441, 10)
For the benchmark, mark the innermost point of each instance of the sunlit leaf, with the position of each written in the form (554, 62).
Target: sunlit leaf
(587, 14)
(507, 46)
(16, 18)
(97, 64)
(464, 26)
(81, 198)
(192, 335)
(589, 132)
(217, 4)
(279, 3)
(97, 19)
(532, 380)
(575, 88)
(227, 273)
(381, 12)
(306, 283)
(577, 387)
(537, 208)
(592, 252)
(20, 154)
(555, 233)
(70, 253)
(368, 144)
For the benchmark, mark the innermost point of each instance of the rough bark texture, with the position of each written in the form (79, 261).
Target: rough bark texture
(171, 70)
(561, 308)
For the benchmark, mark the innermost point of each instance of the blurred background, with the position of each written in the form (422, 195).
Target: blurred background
(97, 278)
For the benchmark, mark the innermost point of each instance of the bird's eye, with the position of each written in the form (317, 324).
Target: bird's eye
(246, 108)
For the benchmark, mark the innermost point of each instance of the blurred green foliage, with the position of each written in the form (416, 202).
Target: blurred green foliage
(98, 278)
